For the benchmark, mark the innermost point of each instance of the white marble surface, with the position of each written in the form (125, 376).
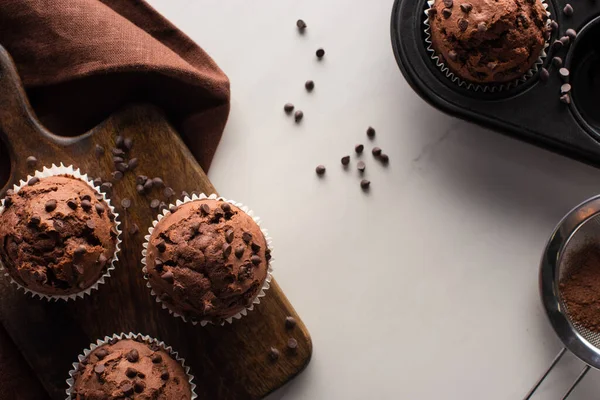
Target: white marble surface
(426, 288)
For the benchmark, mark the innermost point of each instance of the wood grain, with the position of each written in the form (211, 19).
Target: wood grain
(229, 362)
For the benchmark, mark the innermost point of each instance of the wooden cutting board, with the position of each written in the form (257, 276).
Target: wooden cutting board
(229, 362)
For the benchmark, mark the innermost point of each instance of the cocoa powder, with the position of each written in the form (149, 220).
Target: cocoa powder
(580, 289)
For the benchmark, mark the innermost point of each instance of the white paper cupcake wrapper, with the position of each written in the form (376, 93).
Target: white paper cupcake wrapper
(266, 285)
(491, 88)
(54, 170)
(132, 336)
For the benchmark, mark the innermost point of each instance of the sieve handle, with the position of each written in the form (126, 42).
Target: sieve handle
(543, 377)
(579, 378)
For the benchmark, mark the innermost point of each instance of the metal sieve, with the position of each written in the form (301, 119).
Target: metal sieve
(580, 226)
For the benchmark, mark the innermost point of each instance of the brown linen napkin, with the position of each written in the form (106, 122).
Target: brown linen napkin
(80, 60)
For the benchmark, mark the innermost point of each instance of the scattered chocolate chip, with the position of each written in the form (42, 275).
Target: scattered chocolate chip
(255, 259)
(553, 25)
(168, 192)
(565, 98)
(557, 62)
(31, 161)
(463, 24)
(298, 115)
(119, 141)
(33, 181)
(80, 250)
(134, 229)
(226, 250)
(466, 7)
(98, 196)
(320, 169)
(140, 189)
(566, 88)
(158, 182)
(288, 108)
(361, 166)
(126, 203)
(229, 236)
(292, 344)
(122, 167)
(359, 148)
(309, 85)
(117, 152)
(371, 132)
(35, 220)
(565, 40)
(568, 10)
(448, 3)
(127, 144)
(106, 187)
(384, 158)
(133, 356)
(168, 277)
(376, 151)
(205, 208)
(139, 386)
(161, 246)
(557, 45)
(101, 353)
(132, 164)
(130, 372)
(117, 160)
(90, 224)
(50, 205)
(239, 251)
(273, 353)
(185, 194)
(127, 389)
(156, 358)
(247, 237)
(447, 13)
(99, 208)
(345, 160)
(564, 73)
(99, 368)
(365, 184)
(99, 150)
(117, 175)
(290, 322)
(482, 27)
(301, 25)
(148, 185)
(141, 179)
(320, 53)
(571, 33)
(154, 204)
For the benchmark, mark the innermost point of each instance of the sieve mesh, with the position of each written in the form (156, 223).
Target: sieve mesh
(587, 232)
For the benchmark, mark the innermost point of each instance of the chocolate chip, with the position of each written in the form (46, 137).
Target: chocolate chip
(566, 88)
(127, 389)
(557, 45)
(239, 251)
(90, 224)
(132, 164)
(50, 205)
(553, 25)
(463, 24)
(140, 189)
(466, 7)
(571, 33)
(122, 167)
(168, 192)
(568, 10)
(154, 204)
(80, 250)
(447, 13)
(126, 203)
(557, 62)
(100, 208)
(31, 161)
(161, 246)
(370, 132)
(158, 264)
(247, 237)
(72, 204)
(301, 25)
(384, 158)
(99, 368)
(361, 166)
(564, 73)
(448, 3)
(288, 108)
(158, 182)
(99, 150)
(99, 196)
(309, 85)
(273, 353)
(184, 194)
(117, 175)
(431, 12)
(320, 53)
(229, 236)
(117, 160)
(139, 386)
(376, 151)
(33, 181)
(106, 187)
(320, 169)
(130, 372)
(255, 259)
(164, 375)
(255, 247)
(35, 220)
(365, 184)
(565, 40)
(148, 185)
(101, 353)
(133, 356)
(205, 208)
(119, 141)
(141, 179)
(226, 250)
(156, 358)
(290, 322)
(345, 160)
(226, 207)
(117, 152)
(127, 144)
(173, 208)
(565, 98)
(8, 202)
(298, 115)
(359, 148)
(292, 344)
(482, 27)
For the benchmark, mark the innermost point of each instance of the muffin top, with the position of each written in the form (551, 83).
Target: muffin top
(128, 369)
(207, 260)
(56, 235)
(488, 41)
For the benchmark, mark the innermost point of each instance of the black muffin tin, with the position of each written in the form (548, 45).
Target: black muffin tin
(531, 111)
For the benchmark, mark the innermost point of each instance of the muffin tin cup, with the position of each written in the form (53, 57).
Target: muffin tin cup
(131, 336)
(55, 170)
(491, 88)
(266, 284)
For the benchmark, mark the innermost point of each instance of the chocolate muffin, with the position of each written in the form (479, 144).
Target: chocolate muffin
(56, 235)
(128, 369)
(208, 260)
(488, 41)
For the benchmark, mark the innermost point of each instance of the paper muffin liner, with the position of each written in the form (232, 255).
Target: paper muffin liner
(131, 336)
(477, 87)
(55, 170)
(266, 284)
